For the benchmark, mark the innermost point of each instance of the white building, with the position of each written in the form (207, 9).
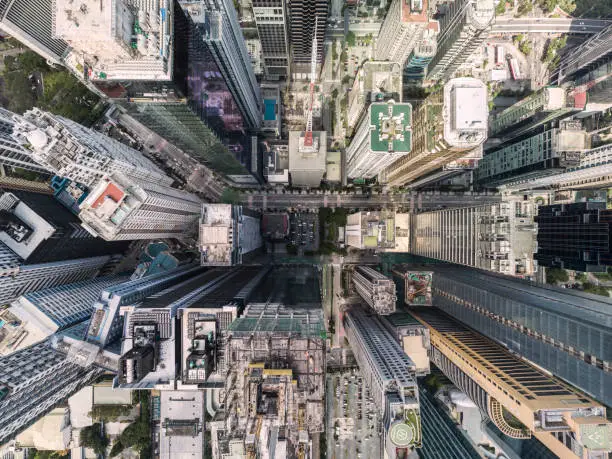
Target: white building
(118, 208)
(307, 165)
(101, 35)
(181, 420)
(402, 30)
(383, 231)
(384, 136)
(498, 237)
(12, 153)
(81, 154)
(227, 233)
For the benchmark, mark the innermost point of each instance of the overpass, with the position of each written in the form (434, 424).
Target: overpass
(549, 25)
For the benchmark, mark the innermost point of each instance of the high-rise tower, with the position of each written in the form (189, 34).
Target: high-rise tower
(272, 19)
(402, 30)
(449, 124)
(390, 375)
(42, 245)
(563, 331)
(303, 16)
(384, 136)
(464, 26)
(127, 198)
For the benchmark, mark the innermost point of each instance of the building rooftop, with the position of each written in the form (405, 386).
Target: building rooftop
(216, 234)
(307, 167)
(117, 39)
(21, 228)
(382, 230)
(414, 10)
(391, 127)
(181, 424)
(465, 112)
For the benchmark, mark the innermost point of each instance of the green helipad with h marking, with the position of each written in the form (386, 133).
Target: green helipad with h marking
(391, 127)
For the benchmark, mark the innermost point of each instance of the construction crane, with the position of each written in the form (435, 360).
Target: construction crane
(308, 140)
(585, 87)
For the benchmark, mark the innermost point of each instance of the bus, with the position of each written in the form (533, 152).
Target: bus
(514, 68)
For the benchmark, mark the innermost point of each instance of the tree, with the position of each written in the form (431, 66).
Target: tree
(500, 8)
(350, 38)
(93, 437)
(525, 47)
(554, 275)
(291, 249)
(346, 79)
(525, 6)
(230, 196)
(335, 93)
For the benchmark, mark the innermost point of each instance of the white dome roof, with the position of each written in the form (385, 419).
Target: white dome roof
(37, 138)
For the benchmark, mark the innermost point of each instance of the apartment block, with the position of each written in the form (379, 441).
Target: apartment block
(552, 150)
(375, 289)
(498, 237)
(402, 30)
(464, 26)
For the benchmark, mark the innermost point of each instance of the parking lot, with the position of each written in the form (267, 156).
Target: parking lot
(353, 425)
(304, 232)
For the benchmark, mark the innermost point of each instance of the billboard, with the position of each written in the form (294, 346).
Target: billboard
(417, 288)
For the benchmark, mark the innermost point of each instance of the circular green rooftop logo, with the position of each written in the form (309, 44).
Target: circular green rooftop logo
(401, 434)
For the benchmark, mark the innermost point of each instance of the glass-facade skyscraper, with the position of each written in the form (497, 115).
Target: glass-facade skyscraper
(566, 332)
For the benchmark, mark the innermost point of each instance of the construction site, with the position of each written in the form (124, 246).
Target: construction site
(275, 384)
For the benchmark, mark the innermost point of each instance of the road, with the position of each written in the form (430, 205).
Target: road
(408, 201)
(549, 25)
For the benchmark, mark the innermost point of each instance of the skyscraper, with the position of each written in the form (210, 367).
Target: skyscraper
(550, 150)
(390, 376)
(498, 237)
(42, 245)
(83, 155)
(563, 331)
(574, 236)
(127, 198)
(589, 54)
(519, 398)
(384, 136)
(272, 20)
(31, 22)
(593, 171)
(376, 81)
(448, 124)
(34, 380)
(44, 312)
(218, 22)
(464, 25)
(303, 16)
(12, 153)
(544, 105)
(175, 338)
(375, 289)
(402, 30)
(420, 57)
(227, 233)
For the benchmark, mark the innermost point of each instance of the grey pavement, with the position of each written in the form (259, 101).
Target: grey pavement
(549, 25)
